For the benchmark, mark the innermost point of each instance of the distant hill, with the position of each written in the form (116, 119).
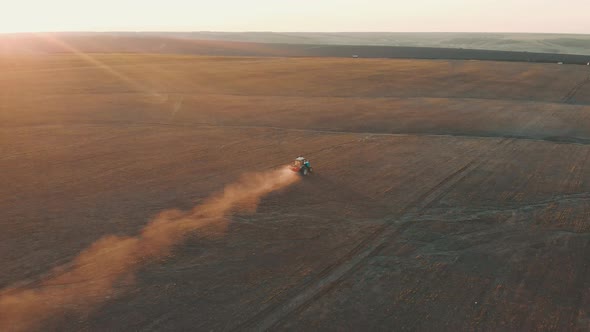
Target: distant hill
(543, 43)
(188, 43)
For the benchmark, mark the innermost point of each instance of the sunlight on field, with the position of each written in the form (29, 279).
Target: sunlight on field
(429, 175)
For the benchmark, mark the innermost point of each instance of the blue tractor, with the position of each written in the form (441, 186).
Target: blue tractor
(301, 165)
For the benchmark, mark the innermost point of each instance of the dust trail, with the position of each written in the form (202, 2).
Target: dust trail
(93, 275)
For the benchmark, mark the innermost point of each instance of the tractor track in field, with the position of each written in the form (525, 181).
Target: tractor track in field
(189, 95)
(200, 125)
(304, 296)
(569, 97)
(491, 136)
(580, 282)
(550, 139)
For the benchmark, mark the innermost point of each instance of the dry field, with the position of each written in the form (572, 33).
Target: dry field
(448, 195)
(569, 49)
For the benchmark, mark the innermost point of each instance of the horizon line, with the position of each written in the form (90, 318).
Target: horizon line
(292, 32)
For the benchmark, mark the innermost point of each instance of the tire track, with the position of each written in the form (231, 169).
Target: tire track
(569, 97)
(579, 283)
(548, 139)
(304, 296)
(200, 125)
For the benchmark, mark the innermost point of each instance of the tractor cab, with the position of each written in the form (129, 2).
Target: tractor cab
(301, 165)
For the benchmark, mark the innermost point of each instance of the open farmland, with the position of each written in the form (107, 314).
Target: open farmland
(446, 195)
(529, 42)
(472, 47)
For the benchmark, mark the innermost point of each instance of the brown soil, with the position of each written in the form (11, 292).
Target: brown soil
(448, 195)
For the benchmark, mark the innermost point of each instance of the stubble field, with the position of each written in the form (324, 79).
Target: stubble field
(446, 195)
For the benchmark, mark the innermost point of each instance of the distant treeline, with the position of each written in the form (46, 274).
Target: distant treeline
(400, 52)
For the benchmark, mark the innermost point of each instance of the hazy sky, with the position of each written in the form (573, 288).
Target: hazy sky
(297, 15)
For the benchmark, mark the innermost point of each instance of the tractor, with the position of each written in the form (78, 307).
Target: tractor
(301, 166)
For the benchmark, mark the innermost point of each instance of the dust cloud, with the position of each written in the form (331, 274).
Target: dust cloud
(112, 261)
